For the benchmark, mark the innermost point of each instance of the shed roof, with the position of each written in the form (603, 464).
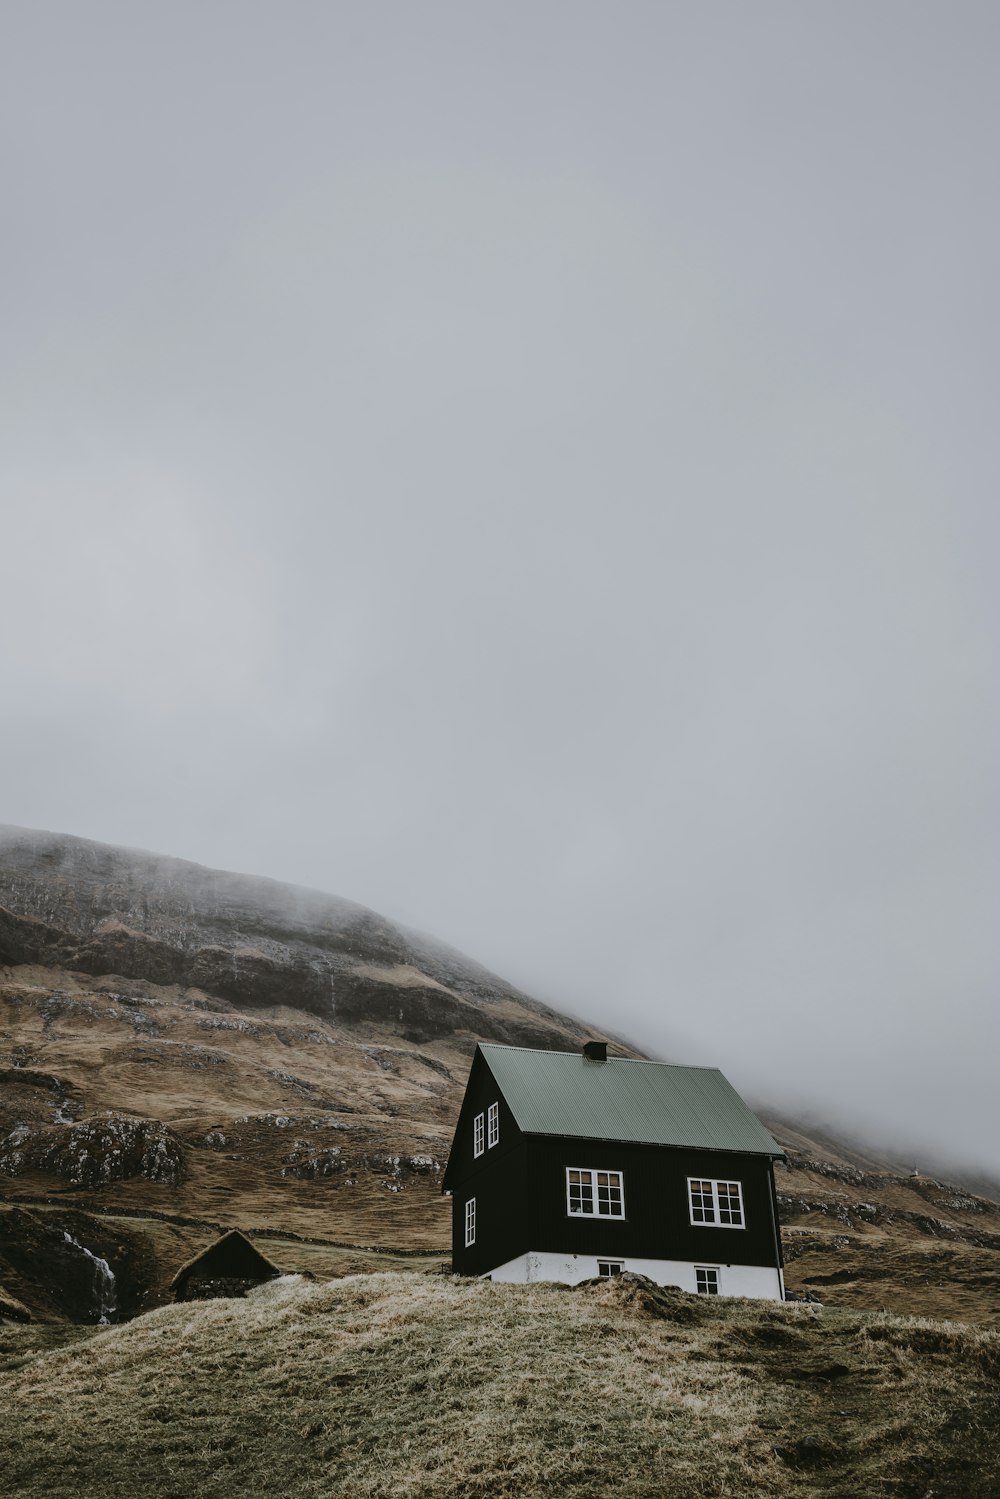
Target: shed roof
(653, 1103)
(232, 1254)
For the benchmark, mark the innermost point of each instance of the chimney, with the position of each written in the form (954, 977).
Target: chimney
(595, 1051)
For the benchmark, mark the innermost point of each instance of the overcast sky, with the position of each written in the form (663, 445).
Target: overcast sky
(532, 468)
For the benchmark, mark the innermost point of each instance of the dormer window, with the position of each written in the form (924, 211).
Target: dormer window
(594, 1194)
(479, 1134)
(493, 1126)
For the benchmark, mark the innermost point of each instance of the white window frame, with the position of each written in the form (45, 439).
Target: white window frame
(707, 1270)
(716, 1207)
(594, 1172)
(470, 1222)
(610, 1274)
(493, 1126)
(479, 1134)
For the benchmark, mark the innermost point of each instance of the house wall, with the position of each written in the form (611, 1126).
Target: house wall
(497, 1179)
(480, 1092)
(763, 1282)
(204, 1288)
(657, 1222)
(502, 1231)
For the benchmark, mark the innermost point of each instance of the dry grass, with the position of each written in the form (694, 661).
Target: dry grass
(907, 1274)
(416, 1386)
(287, 1083)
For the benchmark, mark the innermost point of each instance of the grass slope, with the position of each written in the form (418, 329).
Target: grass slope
(409, 1385)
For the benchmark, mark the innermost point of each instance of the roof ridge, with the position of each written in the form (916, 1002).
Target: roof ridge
(547, 1051)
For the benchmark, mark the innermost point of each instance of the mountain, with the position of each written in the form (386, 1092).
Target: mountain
(70, 903)
(184, 1049)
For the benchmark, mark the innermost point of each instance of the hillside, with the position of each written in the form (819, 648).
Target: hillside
(417, 1386)
(70, 903)
(183, 1050)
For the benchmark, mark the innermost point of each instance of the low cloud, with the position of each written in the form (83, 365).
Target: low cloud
(541, 492)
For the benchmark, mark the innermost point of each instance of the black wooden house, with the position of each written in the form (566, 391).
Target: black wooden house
(566, 1166)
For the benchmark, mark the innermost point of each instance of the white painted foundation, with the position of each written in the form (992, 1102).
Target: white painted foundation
(762, 1282)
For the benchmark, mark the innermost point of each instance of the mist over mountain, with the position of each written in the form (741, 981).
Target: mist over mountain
(74, 903)
(185, 1049)
(534, 473)
(67, 902)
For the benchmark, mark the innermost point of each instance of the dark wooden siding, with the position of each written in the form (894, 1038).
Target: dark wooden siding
(502, 1225)
(657, 1223)
(480, 1092)
(496, 1179)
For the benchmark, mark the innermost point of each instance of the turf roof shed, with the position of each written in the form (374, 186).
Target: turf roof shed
(229, 1267)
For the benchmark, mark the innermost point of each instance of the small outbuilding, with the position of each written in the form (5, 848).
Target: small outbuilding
(231, 1266)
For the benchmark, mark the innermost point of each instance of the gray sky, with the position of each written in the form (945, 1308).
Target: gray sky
(532, 469)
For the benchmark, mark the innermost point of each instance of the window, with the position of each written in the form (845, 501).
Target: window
(494, 1125)
(715, 1202)
(477, 1134)
(706, 1279)
(594, 1194)
(608, 1268)
(470, 1222)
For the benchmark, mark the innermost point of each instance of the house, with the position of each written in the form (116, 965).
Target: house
(566, 1166)
(229, 1267)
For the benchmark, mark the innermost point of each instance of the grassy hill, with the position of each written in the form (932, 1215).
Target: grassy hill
(408, 1385)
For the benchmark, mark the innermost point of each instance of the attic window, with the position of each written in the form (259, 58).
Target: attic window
(716, 1203)
(594, 1194)
(478, 1134)
(493, 1137)
(706, 1279)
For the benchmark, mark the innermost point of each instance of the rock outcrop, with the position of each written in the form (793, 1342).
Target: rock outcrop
(96, 1152)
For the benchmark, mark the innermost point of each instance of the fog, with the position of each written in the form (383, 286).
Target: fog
(532, 469)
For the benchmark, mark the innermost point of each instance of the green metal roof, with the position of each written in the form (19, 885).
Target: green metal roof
(655, 1103)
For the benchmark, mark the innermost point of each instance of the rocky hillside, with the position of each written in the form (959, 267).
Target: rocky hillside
(183, 1049)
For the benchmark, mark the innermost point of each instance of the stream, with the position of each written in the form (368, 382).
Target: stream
(105, 1291)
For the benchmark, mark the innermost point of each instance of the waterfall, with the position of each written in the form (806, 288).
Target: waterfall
(105, 1292)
